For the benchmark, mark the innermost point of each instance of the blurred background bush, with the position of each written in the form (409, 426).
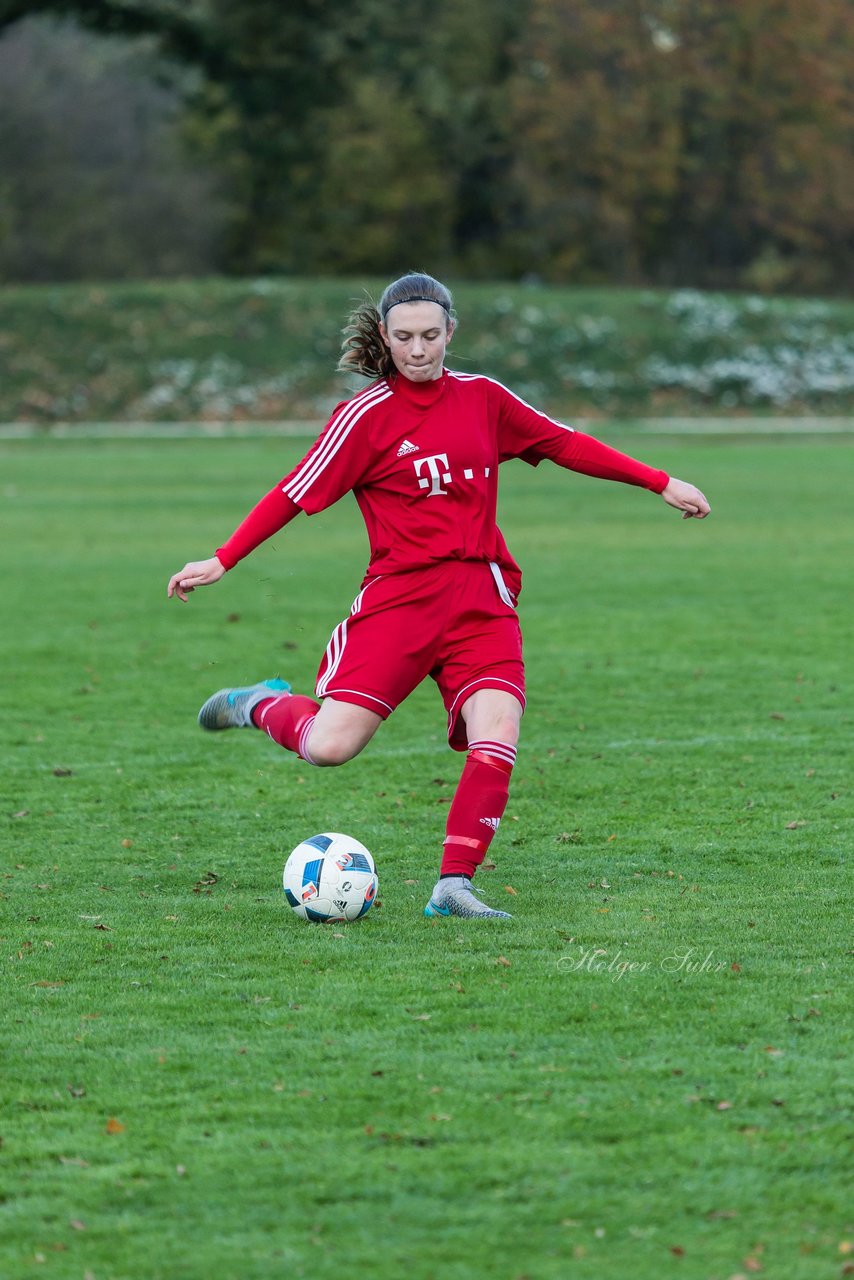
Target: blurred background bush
(643, 142)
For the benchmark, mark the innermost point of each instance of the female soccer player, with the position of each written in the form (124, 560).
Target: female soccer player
(420, 448)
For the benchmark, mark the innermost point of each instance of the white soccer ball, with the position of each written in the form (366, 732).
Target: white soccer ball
(330, 878)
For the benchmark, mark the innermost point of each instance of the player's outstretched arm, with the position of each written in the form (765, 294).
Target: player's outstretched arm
(686, 498)
(198, 573)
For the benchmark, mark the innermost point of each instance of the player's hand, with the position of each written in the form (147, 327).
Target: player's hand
(685, 498)
(198, 573)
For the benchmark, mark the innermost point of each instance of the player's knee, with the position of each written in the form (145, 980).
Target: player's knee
(507, 730)
(339, 732)
(330, 751)
(493, 715)
(500, 728)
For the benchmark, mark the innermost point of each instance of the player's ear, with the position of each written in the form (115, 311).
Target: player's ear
(452, 325)
(383, 333)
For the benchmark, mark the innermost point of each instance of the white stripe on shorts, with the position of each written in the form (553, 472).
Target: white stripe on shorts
(501, 585)
(337, 643)
(361, 693)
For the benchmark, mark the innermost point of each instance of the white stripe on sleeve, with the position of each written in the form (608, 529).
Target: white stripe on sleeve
(336, 433)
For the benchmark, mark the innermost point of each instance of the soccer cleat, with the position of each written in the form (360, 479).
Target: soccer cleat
(232, 708)
(454, 896)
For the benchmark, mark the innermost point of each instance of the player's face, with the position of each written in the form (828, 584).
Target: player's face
(416, 334)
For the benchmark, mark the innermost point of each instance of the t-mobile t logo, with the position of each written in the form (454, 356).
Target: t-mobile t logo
(435, 473)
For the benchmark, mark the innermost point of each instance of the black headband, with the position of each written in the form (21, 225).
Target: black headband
(416, 297)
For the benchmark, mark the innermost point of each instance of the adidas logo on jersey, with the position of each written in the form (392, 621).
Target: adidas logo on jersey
(407, 447)
(491, 822)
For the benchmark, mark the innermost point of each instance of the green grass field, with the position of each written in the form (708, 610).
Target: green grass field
(646, 1074)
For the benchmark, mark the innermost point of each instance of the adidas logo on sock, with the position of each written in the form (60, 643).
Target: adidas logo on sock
(491, 822)
(407, 447)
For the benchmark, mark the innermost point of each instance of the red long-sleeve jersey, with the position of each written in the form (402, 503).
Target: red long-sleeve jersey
(422, 460)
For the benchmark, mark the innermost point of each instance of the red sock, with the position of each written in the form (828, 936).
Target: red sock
(478, 806)
(288, 720)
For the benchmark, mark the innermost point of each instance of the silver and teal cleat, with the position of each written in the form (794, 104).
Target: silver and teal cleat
(454, 896)
(232, 708)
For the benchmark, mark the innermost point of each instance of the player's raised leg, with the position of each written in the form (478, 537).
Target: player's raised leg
(232, 708)
(327, 734)
(338, 732)
(492, 719)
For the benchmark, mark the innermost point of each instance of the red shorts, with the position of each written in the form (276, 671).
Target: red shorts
(453, 621)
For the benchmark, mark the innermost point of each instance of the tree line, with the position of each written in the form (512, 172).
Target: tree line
(663, 142)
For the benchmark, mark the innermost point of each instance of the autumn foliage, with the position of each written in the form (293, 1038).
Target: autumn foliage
(670, 142)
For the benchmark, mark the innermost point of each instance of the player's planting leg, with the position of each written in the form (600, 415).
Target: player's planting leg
(473, 819)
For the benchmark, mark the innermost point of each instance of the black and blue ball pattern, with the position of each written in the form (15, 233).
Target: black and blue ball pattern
(330, 878)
